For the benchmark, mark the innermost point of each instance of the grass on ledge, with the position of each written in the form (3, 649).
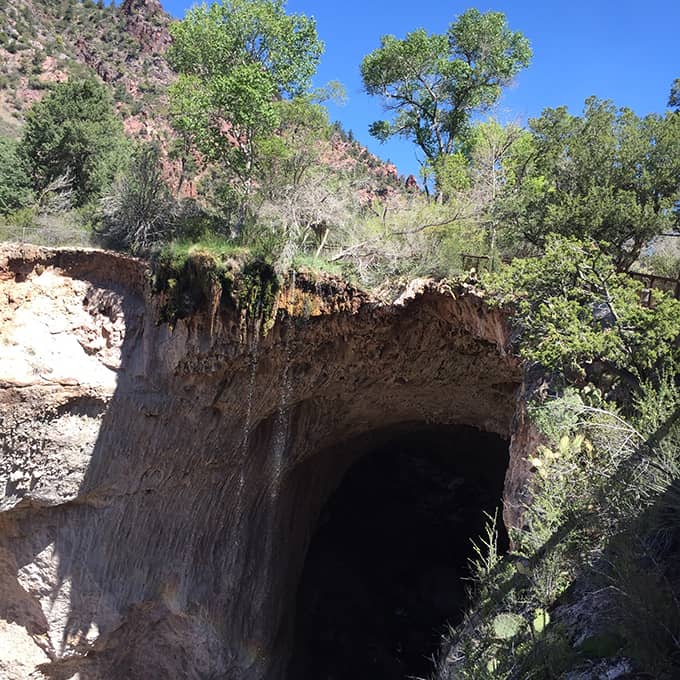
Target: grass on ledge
(212, 245)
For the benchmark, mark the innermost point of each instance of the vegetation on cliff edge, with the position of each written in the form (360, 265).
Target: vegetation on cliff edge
(592, 582)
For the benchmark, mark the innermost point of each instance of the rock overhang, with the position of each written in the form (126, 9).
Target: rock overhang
(207, 460)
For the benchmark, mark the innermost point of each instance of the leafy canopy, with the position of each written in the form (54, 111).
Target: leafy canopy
(607, 175)
(74, 131)
(237, 59)
(433, 83)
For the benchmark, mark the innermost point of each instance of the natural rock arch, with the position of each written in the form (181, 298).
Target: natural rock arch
(175, 479)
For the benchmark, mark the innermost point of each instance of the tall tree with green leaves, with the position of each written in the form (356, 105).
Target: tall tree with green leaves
(74, 131)
(674, 97)
(487, 147)
(236, 59)
(432, 84)
(291, 154)
(607, 175)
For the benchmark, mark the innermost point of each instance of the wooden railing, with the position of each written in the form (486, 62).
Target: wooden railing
(652, 281)
(474, 261)
(477, 262)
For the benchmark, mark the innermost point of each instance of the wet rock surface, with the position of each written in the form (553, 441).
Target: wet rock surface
(161, 483)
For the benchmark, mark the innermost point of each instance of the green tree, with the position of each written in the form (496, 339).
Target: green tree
(300, 195)
(433, 83)
(674, 97)
(607, 175)
(15, 184)
(470, 181)
(74, 132)
(488, 147)
(578, 315)
(301, 136)
(236, 60)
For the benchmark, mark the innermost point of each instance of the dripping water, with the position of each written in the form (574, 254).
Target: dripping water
(254, 359)
(281, 425)
(279, 445)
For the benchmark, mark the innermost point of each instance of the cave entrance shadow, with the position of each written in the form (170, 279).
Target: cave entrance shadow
(385, 569)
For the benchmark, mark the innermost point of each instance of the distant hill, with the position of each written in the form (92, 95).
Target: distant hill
(46, 41)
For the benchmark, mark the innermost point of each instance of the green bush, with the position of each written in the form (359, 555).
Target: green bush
(577, 314)
(74, 131)
(15, 184)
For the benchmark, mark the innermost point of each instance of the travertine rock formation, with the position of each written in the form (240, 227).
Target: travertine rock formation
(160, 484)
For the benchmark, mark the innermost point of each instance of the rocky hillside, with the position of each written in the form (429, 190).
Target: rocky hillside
(43, 42)
(46, 41)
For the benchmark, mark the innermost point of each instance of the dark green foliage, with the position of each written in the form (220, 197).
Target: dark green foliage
(121, 94)
(15, 185)
(288, 156)
(577, 313)
(74, 132)
(674, 97)
(37, 84)
(607, 175)
(214, 39)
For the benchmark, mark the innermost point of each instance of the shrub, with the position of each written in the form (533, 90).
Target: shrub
(578, 315)
(139, 213)
(15, 185)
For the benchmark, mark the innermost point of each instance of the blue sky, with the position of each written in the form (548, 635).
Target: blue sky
(624, 50)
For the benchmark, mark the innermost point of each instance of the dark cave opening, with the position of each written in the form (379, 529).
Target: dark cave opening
(385, 570)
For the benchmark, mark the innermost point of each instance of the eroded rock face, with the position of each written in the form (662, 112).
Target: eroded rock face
(161, 484)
